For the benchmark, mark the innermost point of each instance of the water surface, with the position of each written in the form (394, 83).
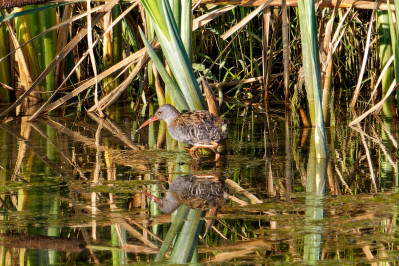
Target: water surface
(71, 192)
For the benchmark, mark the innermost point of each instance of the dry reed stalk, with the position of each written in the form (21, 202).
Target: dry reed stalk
(288, 154)
(236, 250)
(378, 106)
(304, 118)
(5, 86)
(265, 48)
(74, 135)
(388, 132)
(161, 100)
(208, 17)
(237, 200)
(320, 3)
(277, 24)
(365, 57)
(385, 69)
(219, 233)
(366, 248)
(213, 106)
(245, 20)
(112, 127)
(145, 229)
(62, 40)
(29, 50)
(136, 234)
(286, 51)
(55, 147)
(384, 149)
(241, 81)
(92, 57)
(79, 36)
(342, 180)
(59, 25)
(108, 55)
(126, 63)
(378, 141)
(199, 22)
(138, 249)
(224, 51)
(25, 76)
(339, 159)
(91, 82)
(114, 95)
(370, 164)
(158, 87)
(239, 189)
(326, 58)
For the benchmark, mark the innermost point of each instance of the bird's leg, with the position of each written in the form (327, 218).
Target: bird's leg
(193, 152)
(213, 146)
(195, 156)
(217, 155)
(215, 150)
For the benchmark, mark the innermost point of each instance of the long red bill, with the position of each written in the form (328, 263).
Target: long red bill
(152, 197)
(152, 119)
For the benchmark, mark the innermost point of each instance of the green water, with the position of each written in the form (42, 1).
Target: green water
(71, 193)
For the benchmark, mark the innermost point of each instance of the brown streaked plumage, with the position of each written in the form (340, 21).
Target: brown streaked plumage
(197, 193)
(198, 128)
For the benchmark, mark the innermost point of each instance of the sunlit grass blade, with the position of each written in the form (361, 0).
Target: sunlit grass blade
(394, 35)
(394, 40)
(29, 11)
(178, 96)
(117, 37)
(29, 51)
(311, 65)
(186, 243)
(152, 8)
(175, 52)
(385, 32)
(186, 27)
(176, 66)
(190, 82)
(44, 47)
(177, 223)
(47, 20)
(176, 7)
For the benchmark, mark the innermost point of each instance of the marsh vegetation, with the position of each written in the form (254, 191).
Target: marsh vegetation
(310, 163)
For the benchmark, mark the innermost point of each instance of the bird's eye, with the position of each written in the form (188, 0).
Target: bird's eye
(159, 112)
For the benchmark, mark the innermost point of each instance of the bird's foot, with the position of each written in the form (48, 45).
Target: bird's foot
(217, 154)
(193, 152)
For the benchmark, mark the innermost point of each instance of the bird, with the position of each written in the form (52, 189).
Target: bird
(197, 193)
(199, 128)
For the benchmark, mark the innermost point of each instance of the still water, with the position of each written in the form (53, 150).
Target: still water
(71, 193)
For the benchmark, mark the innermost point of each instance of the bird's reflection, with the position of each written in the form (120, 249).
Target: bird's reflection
(201, 193)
